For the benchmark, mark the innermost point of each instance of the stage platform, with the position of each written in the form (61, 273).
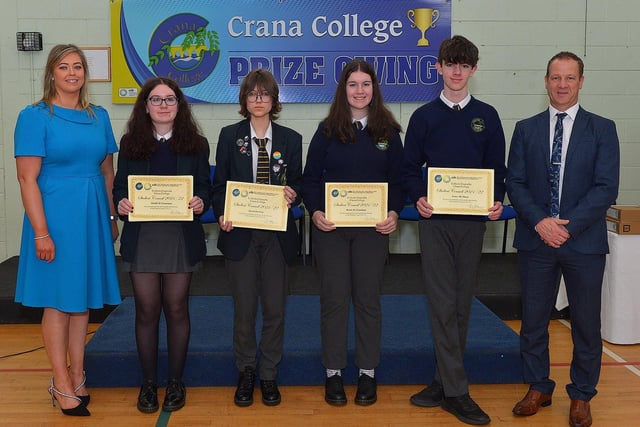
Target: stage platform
(492, 354)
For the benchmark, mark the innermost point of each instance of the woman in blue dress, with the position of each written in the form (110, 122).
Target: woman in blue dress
(64, 157)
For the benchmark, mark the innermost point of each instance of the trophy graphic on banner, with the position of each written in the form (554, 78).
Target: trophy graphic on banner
(423, 18)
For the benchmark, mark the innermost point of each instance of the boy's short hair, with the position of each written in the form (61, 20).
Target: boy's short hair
(458, 50)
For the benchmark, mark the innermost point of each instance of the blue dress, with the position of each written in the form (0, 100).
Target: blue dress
(72, 145)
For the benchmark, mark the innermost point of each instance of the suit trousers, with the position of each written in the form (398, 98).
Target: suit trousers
(350, 262)
(450, 255)
(261, 276)
(540, 271)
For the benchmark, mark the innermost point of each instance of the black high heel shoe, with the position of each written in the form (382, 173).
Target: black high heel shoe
(86, 398)
(78, 411)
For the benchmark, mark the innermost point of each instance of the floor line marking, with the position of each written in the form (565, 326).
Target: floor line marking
(610, 353)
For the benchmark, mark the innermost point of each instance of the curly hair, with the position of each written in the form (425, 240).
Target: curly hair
(380, 123)
(186, 138)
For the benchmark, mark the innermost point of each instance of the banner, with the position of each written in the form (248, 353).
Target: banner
(209, 46)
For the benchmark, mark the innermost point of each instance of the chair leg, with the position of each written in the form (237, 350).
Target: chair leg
(504, 236)
(302, 231)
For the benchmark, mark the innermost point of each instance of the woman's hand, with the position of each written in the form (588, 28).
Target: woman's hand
(289, 195)
(389, 225)
(197, 204)
(225, 225)
(320, 221)
(125, 207)
(45, 248)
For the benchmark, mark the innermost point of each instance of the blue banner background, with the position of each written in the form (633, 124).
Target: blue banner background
(305, 48)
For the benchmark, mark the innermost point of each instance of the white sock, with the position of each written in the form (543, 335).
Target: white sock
(369, 372)
(332, 372)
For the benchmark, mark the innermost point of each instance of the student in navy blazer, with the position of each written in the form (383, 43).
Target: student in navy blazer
(256, 260)
(162, 138)
(573, 243)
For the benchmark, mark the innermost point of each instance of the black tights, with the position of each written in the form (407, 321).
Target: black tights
(155, 293)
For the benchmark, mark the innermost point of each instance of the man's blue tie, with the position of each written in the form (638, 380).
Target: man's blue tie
(554, 169)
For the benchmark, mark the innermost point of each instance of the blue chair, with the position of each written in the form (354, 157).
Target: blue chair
(299, 215)
(208, 217)
(409, 211)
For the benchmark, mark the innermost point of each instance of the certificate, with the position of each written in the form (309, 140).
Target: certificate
(258, 206)
(160, 197)
(355, 204)
(460, 191)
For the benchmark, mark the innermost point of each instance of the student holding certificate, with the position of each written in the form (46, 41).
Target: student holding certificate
(257, 150)
(454, 131)
(359, 141)
(162, 138)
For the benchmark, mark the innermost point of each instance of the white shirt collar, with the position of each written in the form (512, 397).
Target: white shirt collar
(571, 112)
(267, 134)
(462, 103)
(166, 136)
(363, 120)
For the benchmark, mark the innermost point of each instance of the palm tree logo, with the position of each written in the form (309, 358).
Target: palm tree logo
(190, 52)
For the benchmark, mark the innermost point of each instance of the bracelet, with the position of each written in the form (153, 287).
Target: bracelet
(41, 237)
(113, 217)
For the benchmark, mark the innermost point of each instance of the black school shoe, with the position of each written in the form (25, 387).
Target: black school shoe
(148, 397)
(270, 393)
(429, 397)
(465, 409)
(334, 391)
(244, 391)
(366, 393)
(175, 396)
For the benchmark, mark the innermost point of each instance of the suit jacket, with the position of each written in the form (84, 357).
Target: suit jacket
(195, 165)
(233, 164)
(590, 181)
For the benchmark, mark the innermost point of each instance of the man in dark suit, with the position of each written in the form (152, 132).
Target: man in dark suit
(257, 259)
(575, 154)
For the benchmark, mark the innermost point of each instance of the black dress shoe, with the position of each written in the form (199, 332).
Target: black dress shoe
(175, 396)
(270, 393)
(334, 391)
(429, 397)
(465, 409)
(244, 391)
(148, 397)
(366, 394)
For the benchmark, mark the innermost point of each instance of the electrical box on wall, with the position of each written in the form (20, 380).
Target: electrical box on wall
(28, 41)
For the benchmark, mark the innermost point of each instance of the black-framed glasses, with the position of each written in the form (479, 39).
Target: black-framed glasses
(253, 96)
(157, 101)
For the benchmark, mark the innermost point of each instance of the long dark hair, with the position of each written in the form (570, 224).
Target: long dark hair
(186, 137)
(380, 121)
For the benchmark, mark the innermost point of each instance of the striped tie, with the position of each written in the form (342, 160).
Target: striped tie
(358, 124)
(556, 162)
(262, 174)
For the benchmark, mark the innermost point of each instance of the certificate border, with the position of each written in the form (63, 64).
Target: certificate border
(487, 173)
(186, 179)
(241, 222)
(383, 187)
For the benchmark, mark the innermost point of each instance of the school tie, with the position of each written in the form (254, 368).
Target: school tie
(554, 169)
(262, 174)
(358, 125)
(456, 107)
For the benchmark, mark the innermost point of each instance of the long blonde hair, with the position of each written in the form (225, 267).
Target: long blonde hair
(57, 53)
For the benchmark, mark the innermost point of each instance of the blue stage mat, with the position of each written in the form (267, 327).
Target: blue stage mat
(492, 354)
